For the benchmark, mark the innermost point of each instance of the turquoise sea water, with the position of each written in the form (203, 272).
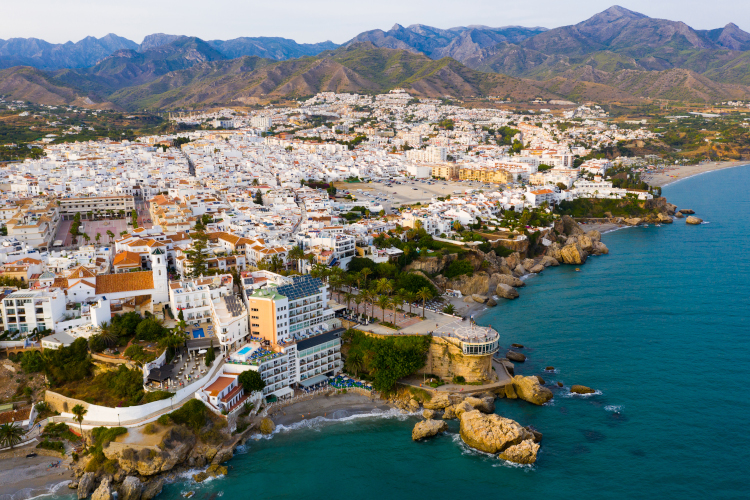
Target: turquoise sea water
(660, 326)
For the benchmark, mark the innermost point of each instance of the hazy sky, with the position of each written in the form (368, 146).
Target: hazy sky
(319, 20)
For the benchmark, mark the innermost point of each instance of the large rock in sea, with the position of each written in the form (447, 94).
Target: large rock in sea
(581, 389)
(548, 261)
(485, 404)
(664, 218)
(152, 488)
(267, 426)
(428, 428)
(537, 269)
(506, 291)
(212, 471)
(693, 220)
(600, 248)
(521, 453)
(515, 356)
(529, 389)
(462, 408)
(104, 491)
(428, 414)
(493, 433)
(573, 254)
(439, 401)
(86, 485)
(130, 489)
(687, 211)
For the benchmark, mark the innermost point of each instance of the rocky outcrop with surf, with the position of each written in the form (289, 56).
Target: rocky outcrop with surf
(428, 428)
(499, 435)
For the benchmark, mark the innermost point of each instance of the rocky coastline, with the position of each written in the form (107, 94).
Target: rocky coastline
(480, 427)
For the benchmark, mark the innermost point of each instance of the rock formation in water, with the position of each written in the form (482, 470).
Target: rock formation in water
(529, 389)
(428, 428)
(498, 435)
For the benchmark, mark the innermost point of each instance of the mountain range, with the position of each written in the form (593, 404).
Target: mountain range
(615, 56)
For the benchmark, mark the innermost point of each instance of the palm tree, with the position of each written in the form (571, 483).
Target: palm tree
(10, 434)
(354, 362)
(110, 235)
(365, 272)
(358, 301)
(123, 233)
(409, 297)
(86, 237)
(424, 295)
(357, 277)
(98, 237)
(449, 309)
(107, 334)
(383, 303)
(348, 296)
(398, 300)
(367, 296)
(335, 282)
(79, 411)
(384, 285)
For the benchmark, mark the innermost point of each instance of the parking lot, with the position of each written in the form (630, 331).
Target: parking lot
(410, 192)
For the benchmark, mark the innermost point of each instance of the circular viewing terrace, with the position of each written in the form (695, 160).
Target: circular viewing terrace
(475, 340)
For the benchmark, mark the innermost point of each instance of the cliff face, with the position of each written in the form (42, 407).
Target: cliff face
(430, 265)
(446, 360)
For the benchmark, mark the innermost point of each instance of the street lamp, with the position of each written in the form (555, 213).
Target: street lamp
(118, 420)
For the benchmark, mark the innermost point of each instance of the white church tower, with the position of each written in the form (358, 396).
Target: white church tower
(161, 277)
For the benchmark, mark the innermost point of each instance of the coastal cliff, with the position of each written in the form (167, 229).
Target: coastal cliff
(446, 360)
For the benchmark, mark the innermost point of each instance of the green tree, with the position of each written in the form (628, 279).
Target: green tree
(11, 434)
(210, 355)
(258, 198)
(424, 295)
(110, 235)
(354, 362)
(196, 255)
(79, 412)
(449, 309)
(108, 334)
(251, 381)
(383, 303)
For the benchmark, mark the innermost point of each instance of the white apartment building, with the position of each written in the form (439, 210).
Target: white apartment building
(210, 299)
(340, 247)
(100, 204)
(25, 310)
(431, 154)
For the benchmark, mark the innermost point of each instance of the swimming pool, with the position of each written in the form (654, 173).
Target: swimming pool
(198, 333)
(244, 351)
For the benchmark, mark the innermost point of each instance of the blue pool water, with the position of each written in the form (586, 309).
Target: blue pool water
(243, 351)
(660, 327)
(198, 333)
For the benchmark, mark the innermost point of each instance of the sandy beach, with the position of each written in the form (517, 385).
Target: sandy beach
(333, 406)
(674, 173)
(31, 476)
